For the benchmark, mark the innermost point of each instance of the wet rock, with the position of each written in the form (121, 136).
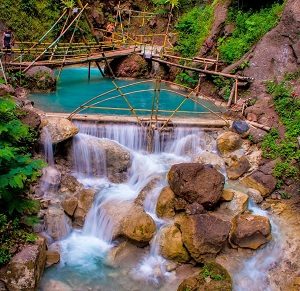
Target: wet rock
(171, 245)
(85, 201)
(69, 205)
(165, 203)
(203, 235)
(25, 269)
(53, 285)
(52, 258)
(227, 195)
(60, 129)
(145, 191)
(211, 277)
(228, 142)
(237, 205)
(194, 208)
(250, 231)
(41, 78)
(255, 195)
(211, 159)
(180, 204)
(30, 118)
(237, 167)
(70, 182)
(196, 183)
(138, 226)
(58, 225)
(240, 127)
(265, 184)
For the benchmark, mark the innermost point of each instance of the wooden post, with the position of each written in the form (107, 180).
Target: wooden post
(89, 73)
(231, 96)
(236, 91)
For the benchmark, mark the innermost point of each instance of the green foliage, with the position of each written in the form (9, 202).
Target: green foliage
(249, 28)
(193, 27)
(207, 271)
(285, 195)
(186, 79)
(224, 85)
(284, 149)
(68, 3)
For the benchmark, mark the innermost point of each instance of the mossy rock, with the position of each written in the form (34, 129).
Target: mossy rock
(211, 277)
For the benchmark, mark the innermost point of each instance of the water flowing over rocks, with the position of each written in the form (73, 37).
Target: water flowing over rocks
(60, 129)
(203, 235)
(50, 180)
(196, 183)
(228, 142)
(171, 245)
(25, 269)
(166, 203)
(250, 231)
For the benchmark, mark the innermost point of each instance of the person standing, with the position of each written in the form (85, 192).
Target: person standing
(7, 39)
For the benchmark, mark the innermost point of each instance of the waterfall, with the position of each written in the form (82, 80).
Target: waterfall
(48, 146)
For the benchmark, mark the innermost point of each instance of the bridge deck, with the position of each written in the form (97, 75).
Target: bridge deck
(95, 57)
(208, 121)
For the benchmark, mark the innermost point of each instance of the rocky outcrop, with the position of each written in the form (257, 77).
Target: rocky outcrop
(237, 167)
(211, 159)
(250, 231)
(171, 245)
(133, 66)
(57, 224)
(228, 142)
(60, 129)
(40, 78)
(25, 269)
(165, 203)
(145, 191)
(195, 182)
(211, 277)
(203, 235)
(85, 201)
(52, 258)
(30, 118)
(69, 205)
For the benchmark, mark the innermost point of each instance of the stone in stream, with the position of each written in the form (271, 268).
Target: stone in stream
(166, 203)
(69, 205)
(250, 231)
(171, 245)
(237, 167)
(52, 258)
(203, 235)
(60, 129)
(228, 142)
(211, 277)
(195, 182)
(25, 269)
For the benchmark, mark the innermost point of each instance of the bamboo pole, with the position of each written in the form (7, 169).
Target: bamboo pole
(231, 96)
(236, 91)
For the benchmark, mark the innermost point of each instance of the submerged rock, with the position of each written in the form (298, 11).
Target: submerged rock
(166, 203)
(203, 235)
(228, 142)
(25, 269)
(60, 129)
(196, 183)
(211, 277)
(250, 231)
(171, 245)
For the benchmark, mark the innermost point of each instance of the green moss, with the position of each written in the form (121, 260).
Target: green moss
(249, 28)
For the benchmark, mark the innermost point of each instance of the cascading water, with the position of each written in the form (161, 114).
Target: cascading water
(48, 147)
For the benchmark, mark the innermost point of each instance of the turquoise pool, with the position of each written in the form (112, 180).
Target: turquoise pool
(73, 89)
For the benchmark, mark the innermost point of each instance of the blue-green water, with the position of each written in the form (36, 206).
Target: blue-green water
(73, 89)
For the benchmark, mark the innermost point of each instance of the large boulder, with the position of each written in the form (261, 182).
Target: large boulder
(211, 277)
(195, 182)
(60, 129)
(210, 159)
(237, 167)
(166, 203)
(203, 235)
(228, 142)
(84, 203)
(250, 231)
(171, 245)
(25, 269)
(69, 204)
(41, 78)
(57, 223)
(30, 118)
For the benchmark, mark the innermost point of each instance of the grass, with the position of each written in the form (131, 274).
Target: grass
(285, 149)
(249, 28)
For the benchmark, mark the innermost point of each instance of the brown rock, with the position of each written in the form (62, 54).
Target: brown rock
(237, 167)
(265, 184)
(194, 208)
(69, 205)
(165, 203)
(85, 201)
(250, 231)
(6, 90)
(228, 142)
(171, 245)
(52, 258)
(30, 118)
(252, 117)
(255, 195)
(145, 191)
(257, 135)
(203, 235)
(209, 158)
(25, 269)
(227, 195)
(196, 183)
(70, 182)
